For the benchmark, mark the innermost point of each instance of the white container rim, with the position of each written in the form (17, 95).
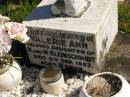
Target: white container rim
(50, 79)
(123, 81)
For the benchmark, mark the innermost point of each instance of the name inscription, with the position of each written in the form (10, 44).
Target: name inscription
(56, 48)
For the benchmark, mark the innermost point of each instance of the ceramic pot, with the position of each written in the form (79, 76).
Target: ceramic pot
(52, 80)
(10, 77)
(123, 92)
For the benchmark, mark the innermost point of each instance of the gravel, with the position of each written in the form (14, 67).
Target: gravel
(30, 86)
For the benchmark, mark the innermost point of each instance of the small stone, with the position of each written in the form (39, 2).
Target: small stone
(65, 87)
(4, 95)
(12, 96)
(49, 95)
(86, 78)
(70, 81)
(34, 95)
(13, 92)
(43, 95)
(18, 88)
(29, 95)
(18, 93)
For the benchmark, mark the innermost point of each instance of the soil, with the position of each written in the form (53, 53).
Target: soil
(51, 72)
(118, 58)
(105, 85)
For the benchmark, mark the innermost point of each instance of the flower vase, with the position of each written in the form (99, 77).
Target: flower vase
(119, 87)
(10, 76)
(52, 80)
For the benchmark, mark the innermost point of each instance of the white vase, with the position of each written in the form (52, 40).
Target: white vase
(123, 92)
(11, 78)
(52, 85)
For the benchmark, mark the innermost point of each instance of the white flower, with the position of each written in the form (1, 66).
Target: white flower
(17, 31)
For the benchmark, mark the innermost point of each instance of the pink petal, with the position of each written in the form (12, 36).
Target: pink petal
(5, 40)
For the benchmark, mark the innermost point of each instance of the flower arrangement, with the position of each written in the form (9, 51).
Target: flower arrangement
(10, 30)
(10, 71)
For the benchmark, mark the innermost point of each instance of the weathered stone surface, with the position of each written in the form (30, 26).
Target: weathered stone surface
(118, 59)
(73, 8)
(81, 42)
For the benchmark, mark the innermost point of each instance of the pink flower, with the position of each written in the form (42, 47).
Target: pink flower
(17, 31)
(5, 40)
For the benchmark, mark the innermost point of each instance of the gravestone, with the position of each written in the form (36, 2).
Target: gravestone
(66, 41)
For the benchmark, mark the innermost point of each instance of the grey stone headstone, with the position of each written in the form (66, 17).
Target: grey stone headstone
(80, 42)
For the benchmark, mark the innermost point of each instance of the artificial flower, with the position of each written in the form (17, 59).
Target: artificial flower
(5, 40)
(17, 31)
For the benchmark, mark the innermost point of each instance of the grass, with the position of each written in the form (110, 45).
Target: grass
(124, 17)
(17, 10)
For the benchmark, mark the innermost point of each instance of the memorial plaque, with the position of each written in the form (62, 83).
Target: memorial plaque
(66, 41)
(61, 48)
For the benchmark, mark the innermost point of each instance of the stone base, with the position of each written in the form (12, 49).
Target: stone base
(80, 42)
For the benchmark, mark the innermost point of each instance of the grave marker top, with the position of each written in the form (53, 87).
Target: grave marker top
(72, 8)
(89, 22)
(67, 41)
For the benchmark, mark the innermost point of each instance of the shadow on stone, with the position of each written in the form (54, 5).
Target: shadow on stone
(39, 13)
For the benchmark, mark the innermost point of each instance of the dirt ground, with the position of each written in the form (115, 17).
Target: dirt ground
(118, 59)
